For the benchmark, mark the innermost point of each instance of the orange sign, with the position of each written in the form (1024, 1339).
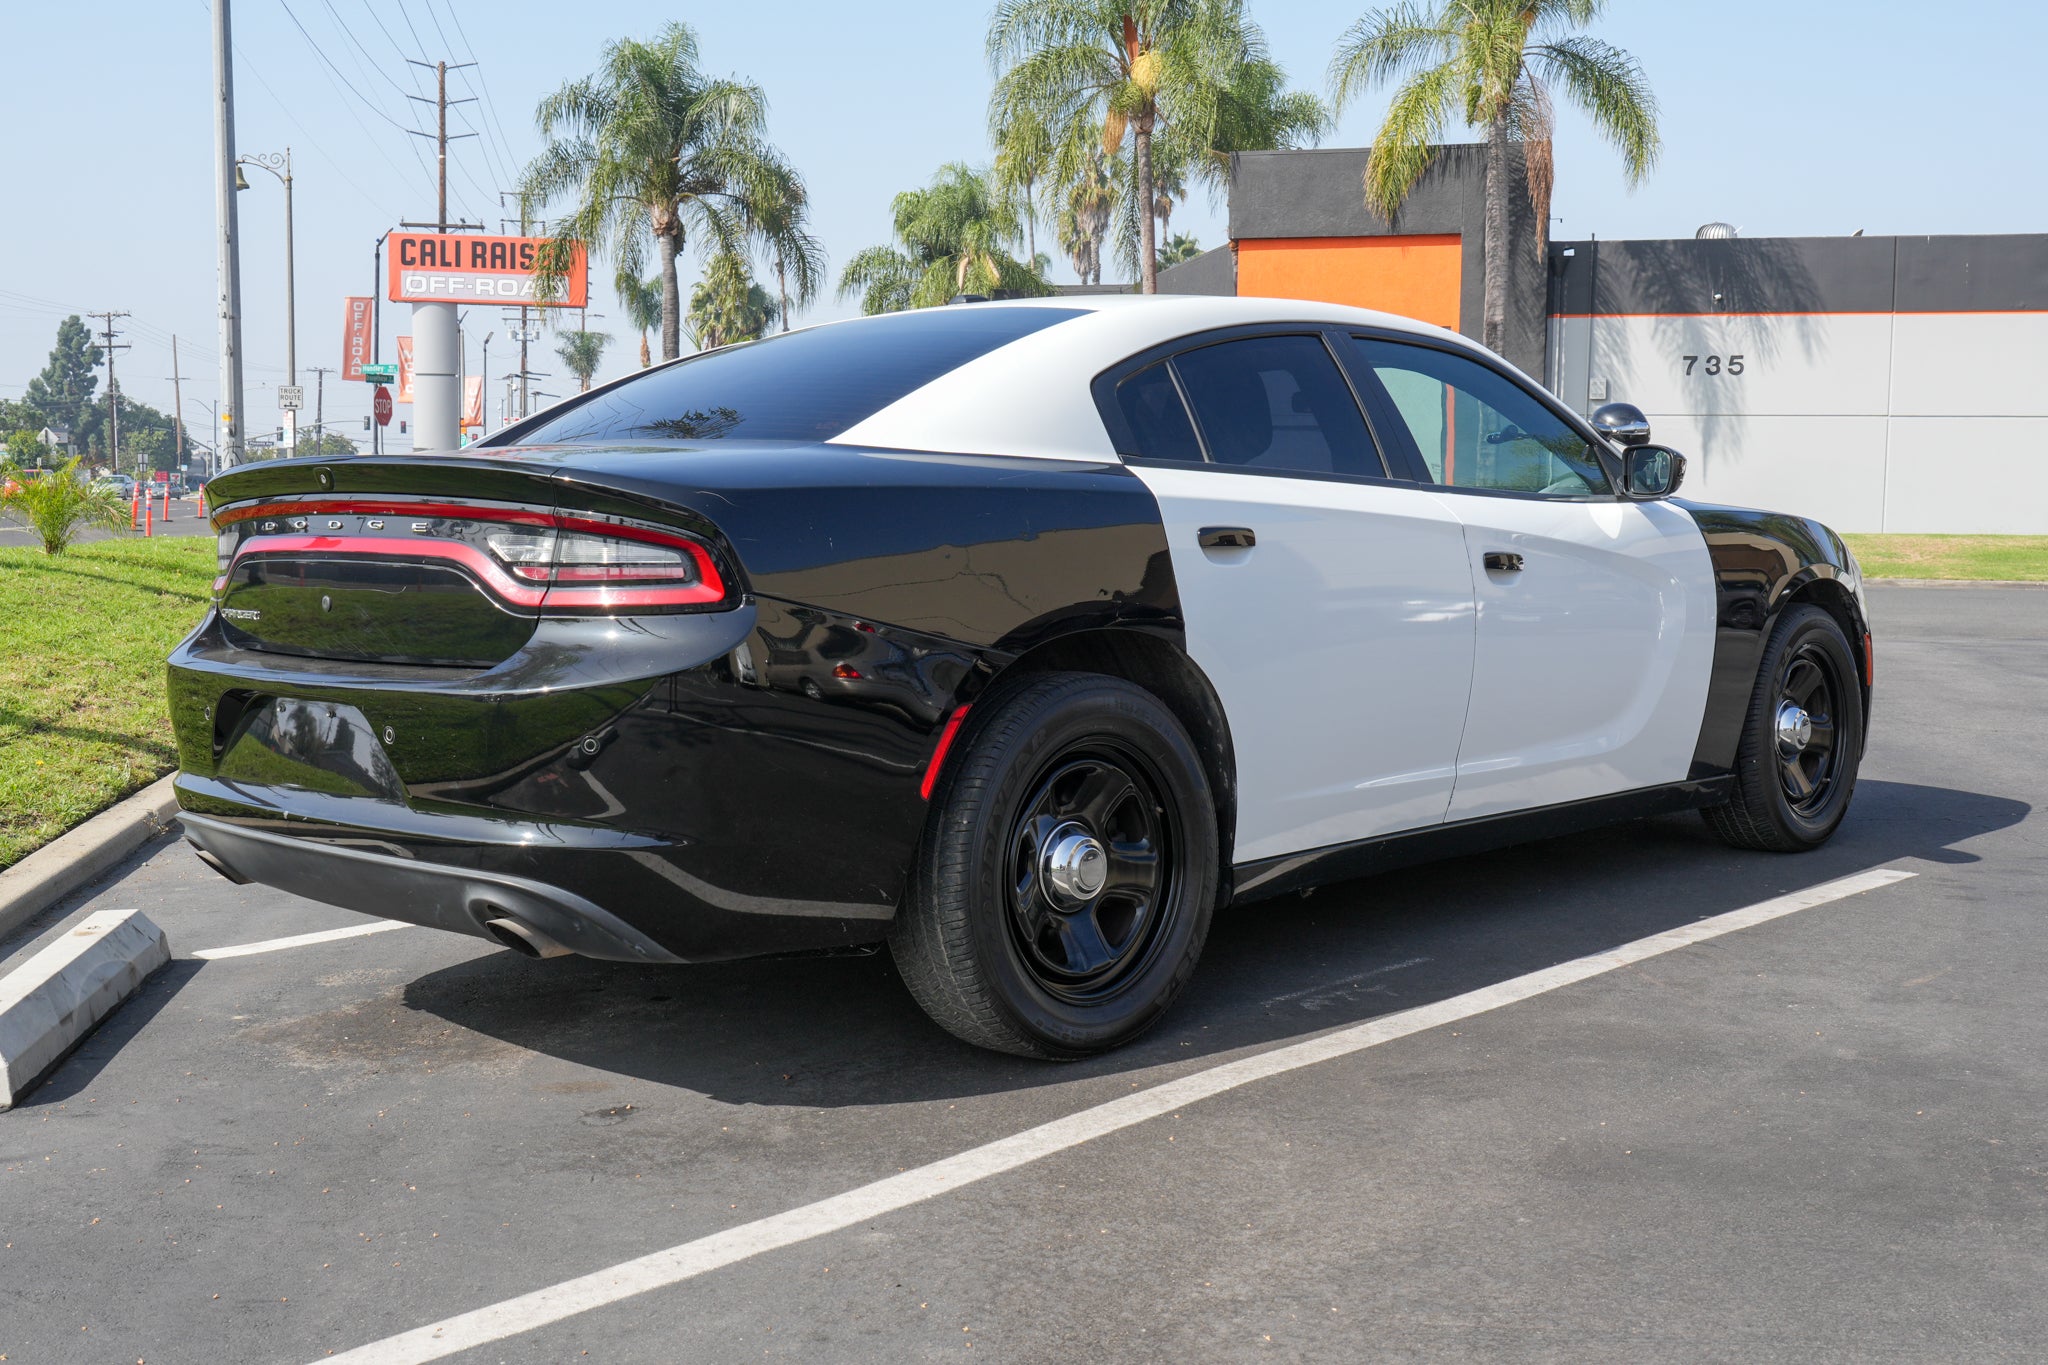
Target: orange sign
(404, 394)
(355, 337)
(472, 401)
(462, 267)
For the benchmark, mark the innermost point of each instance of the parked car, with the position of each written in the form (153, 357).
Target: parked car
(120, 483)
(1018, 635)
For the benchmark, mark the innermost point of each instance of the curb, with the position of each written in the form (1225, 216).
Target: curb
(51, 1002)
(1958, 582)
(71, 860)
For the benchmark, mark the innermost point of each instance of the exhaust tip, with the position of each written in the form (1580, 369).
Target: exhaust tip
(523, 938)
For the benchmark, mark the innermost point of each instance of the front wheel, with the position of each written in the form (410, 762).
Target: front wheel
(1795, 766)
(1068, 872)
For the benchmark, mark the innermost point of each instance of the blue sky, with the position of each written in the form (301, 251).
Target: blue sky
(1783, 118)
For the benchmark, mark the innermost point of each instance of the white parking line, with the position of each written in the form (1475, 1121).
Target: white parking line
(690, 1259)
(273, 945)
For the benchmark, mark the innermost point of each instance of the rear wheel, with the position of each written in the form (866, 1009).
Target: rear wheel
(1795, 767)
(1068, 871)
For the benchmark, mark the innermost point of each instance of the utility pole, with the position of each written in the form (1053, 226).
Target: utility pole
(320, 400)
(107, 344)
(178, 403)
(228, 436)
(436, 332)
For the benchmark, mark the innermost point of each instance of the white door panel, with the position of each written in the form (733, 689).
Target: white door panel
(1341, 646)
(1592, 661)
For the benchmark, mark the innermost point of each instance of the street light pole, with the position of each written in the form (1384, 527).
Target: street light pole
(483, 385)
(270, 161)
(228, 263)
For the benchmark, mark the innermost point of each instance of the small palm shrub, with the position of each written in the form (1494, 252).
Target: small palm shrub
(58, 504)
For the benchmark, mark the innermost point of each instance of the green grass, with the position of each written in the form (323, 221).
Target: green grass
(2006, 557)
(83, 637)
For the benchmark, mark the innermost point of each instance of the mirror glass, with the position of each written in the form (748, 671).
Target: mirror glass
(1654, 471)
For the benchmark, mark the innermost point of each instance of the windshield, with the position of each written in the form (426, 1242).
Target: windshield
(798, 386)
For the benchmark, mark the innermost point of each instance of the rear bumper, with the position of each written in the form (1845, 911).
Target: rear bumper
(436, 895)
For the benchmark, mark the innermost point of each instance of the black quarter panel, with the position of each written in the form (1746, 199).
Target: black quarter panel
(1763, 562)
(761, 766)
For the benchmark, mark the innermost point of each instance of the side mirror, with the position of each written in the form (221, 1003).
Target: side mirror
(1652, 472)
(1624, 422)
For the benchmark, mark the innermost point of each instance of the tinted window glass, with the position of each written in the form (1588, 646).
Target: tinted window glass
(1476, 428)
(798, 386)
(1277, 403)
(1157, 419)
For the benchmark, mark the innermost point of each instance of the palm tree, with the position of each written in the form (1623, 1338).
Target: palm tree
(954, 237)
(727, 306)
(785, 221)
(581, 352)
(1095, 73)
(1492, 64)
(1084, 221)
(642, 301)
(1179, 247)
(1024, 156)
(651, 150)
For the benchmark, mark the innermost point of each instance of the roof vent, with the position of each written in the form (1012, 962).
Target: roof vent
(1715, 232)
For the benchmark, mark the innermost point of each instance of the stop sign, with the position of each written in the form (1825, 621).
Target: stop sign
(380, 404)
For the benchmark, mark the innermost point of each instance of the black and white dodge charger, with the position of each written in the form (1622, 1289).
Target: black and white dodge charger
(1019, 635)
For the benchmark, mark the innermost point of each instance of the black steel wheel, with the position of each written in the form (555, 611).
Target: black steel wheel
(1795, 766)
(1068, 873)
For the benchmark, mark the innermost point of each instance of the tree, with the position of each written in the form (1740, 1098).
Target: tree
(953, 237)
(785, 213)
(62, 395)
(1179, 247)
(727, 306)
(25, 450)
(1084, 221)
(652, 150)
(1189, 79)
(58, 504)
(1024, 158)
(582, 352)
(327, 445)
(642, 301)
(1491, 64)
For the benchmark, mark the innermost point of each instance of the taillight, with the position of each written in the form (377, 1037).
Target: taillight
(588, 571)
(564, 564)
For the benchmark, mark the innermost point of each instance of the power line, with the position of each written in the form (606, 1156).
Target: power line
(345, 84)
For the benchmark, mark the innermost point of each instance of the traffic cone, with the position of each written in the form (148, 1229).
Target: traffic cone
(148, 519)
(135, 511)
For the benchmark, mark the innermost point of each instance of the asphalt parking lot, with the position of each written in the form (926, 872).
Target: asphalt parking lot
(1823, 1137)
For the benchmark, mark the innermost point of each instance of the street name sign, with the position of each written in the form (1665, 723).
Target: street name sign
(381, 374)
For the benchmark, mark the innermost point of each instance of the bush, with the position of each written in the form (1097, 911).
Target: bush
(57, 505)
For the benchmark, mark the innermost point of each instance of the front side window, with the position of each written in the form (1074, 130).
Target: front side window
(797, 386)
(1475, 428)
(1277, 402)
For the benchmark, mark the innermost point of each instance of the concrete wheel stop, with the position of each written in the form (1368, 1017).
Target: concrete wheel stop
(52, 1001)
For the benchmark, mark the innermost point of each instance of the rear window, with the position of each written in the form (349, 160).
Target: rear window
(798, 386)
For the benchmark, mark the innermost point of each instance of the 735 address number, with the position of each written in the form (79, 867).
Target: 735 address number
(1714, 364)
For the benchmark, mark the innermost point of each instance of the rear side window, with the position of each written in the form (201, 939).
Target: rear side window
(798, 386)
(1277, 402)
(1157, 419)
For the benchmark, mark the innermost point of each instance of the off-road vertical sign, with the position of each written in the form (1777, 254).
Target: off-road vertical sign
(355, 336)
(429, 267)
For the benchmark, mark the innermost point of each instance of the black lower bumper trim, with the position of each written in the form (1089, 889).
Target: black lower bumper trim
(436, 895)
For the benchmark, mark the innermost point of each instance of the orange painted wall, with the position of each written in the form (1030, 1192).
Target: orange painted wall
(1415, 276)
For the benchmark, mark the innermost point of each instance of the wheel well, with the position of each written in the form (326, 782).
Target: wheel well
(1837, 601)
(1163, 670)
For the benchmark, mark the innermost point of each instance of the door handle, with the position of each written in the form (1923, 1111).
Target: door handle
(1227, 537)
(1501, 561)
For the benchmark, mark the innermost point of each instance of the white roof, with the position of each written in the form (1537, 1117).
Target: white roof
(1031, 396)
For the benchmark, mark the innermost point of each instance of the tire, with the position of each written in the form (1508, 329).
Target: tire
(1790, 796)
(1000, 937)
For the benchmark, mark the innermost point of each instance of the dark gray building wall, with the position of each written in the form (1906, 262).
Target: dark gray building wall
(1321, 193)
(1680, 276)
